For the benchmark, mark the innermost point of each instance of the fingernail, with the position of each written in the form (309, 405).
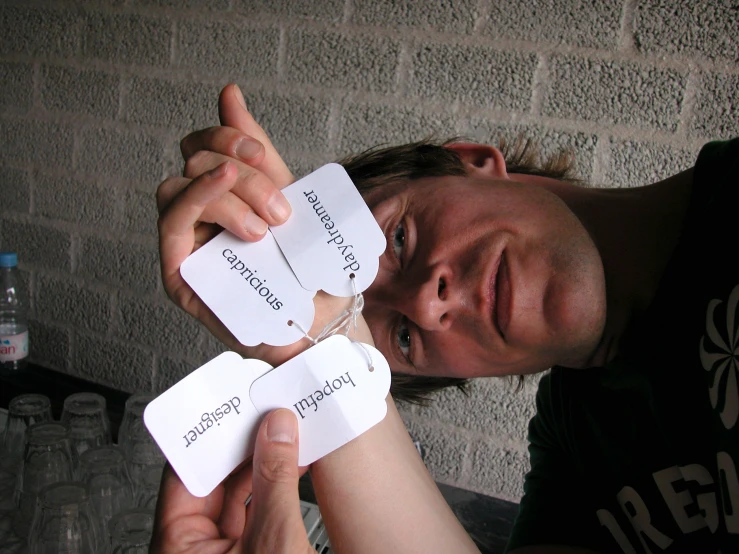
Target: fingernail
(279, 208)
(248, 148)
(239, 96)
(219, 171)
(282, 426)
(255, 224)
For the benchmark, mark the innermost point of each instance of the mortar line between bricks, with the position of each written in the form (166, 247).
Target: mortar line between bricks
(539, 83)
(601, 160)
(84, 231)
(32, 291)
(173, 42)
(569, 125)
(348, 12)
(74, 251)
(626, 42)
(403, 70)
(690, 94)
(483, 13)
(36, 86)
(500, 441)
(266, 20)
(114, 306)
(124, 84)
(154, 373)
(466, 471)
(334, 124)
(186, 75)
(282, 55)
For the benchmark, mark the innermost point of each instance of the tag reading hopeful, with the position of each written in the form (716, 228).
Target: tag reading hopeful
(331, 390)
(251, 289)
(206, 424)
(330, 234)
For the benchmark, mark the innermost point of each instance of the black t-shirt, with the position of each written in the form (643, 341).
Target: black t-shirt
(642, 454)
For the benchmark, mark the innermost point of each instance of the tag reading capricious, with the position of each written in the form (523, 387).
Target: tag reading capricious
(250, 287)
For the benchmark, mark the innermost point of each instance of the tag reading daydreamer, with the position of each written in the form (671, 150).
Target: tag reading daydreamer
(331, 233)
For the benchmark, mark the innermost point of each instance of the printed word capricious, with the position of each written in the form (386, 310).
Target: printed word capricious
(330, 388)
(254, 282)
(209, 418)
(344, 249)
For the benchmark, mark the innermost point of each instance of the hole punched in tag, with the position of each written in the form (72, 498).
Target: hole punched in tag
(345, 322)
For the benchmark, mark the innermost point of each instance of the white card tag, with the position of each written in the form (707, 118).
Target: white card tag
(206, 424)
(250, 287)
(330, 234)
(332, 392)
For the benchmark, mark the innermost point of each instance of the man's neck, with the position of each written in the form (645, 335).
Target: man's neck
(636, 231)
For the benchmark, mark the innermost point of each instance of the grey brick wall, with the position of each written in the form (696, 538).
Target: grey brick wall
(95, 95)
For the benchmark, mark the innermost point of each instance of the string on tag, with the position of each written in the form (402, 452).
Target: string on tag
(345, 322)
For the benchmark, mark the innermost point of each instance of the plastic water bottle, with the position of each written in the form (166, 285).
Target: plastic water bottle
(13, 323)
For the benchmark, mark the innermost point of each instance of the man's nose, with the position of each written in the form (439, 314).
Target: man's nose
(433, 302)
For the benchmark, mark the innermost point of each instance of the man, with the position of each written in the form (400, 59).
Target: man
(494, 272)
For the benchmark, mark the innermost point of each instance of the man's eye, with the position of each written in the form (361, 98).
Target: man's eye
(404, 339)
(398, 240)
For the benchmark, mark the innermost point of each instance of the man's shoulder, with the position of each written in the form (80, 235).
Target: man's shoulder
(717, 166)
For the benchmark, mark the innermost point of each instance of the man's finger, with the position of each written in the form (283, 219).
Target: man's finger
(175, 502)
(177, 221)
(168, 191)
(253, 187)
(238, 488)
(275, 523)
(233, 113)
(224, 140)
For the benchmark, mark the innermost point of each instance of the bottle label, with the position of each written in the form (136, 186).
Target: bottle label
(14, 347)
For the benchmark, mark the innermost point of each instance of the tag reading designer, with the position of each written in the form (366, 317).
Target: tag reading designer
(206, 422)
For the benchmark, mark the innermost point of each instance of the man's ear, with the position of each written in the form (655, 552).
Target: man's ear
(481, 158)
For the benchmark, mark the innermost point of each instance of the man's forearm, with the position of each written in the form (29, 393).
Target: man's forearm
(376, 495)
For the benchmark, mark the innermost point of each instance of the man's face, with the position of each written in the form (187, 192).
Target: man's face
(482, 276)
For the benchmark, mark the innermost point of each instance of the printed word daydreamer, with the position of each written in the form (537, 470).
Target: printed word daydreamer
(254, 282)
(330, 388)
(336, 238)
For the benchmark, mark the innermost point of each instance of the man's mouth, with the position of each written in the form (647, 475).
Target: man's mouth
(493, 300)
(503, 296)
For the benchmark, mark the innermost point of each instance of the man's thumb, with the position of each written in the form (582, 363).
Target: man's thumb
(276, 523)
(233, 113)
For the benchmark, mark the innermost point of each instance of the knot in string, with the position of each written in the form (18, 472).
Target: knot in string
(345, 322)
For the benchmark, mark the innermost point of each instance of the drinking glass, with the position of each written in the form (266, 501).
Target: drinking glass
(132, 427)
(103, 470)
(145, 464)
(85, 414)
(47, 460)
(63, 522)
(130, 532)
(23, 411)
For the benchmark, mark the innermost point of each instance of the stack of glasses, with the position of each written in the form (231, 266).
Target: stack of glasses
(72, 490)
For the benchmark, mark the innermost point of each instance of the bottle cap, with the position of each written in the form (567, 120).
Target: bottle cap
(8, 259)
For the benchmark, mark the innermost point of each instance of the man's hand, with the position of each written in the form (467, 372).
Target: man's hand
(219, 523)
(218, 193)
(224, 188)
